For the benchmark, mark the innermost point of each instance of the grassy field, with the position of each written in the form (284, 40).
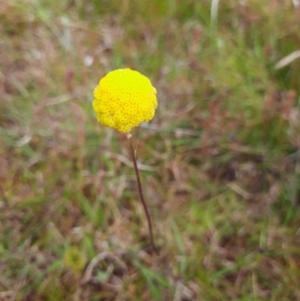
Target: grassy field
(219, 163)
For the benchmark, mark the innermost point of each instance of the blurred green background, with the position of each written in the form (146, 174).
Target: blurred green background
(220, 162)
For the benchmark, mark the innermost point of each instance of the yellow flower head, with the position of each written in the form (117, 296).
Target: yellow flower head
(124, 99)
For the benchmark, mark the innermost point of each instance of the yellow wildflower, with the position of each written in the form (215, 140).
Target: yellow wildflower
(124, 99)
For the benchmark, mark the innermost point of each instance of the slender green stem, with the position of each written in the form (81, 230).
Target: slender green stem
(129, 136)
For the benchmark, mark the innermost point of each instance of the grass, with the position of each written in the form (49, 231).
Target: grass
(219, 163)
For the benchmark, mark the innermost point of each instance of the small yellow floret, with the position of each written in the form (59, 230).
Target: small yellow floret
(124, 99)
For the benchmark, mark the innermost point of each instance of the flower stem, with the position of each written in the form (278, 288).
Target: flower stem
(129, 137)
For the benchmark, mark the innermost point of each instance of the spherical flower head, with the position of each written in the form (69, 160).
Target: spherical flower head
(124, 99)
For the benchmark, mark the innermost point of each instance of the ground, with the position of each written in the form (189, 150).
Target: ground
(219, 163)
